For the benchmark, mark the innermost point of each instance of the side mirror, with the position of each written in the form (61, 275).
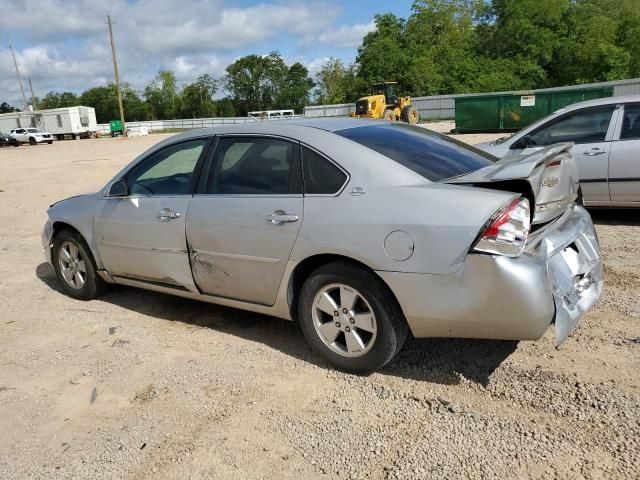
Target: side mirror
(523, 142)
(118, 189)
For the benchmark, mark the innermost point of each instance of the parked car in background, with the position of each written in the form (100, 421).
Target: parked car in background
(7, 140)
(606, 137)
(32, 136)
(361, 230)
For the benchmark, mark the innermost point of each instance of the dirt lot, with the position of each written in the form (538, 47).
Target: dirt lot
(143, 385)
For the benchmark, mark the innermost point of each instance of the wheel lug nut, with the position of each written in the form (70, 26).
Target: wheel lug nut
(347, 329)
(335, 314)
(344, 310)
(352, 320)
(337, 324)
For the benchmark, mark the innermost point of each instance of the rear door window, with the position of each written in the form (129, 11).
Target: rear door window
(432, 155)
(631, 122)
(255, 166)
(321, 176)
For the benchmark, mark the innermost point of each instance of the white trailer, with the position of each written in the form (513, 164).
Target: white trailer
(60, 122)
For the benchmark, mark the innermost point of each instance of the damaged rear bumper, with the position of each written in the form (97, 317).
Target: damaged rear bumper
(574, 267)
(557, 279)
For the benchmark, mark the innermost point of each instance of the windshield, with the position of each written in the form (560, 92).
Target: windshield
(432, 155)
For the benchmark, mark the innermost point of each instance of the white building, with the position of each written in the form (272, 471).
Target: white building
(60, 122)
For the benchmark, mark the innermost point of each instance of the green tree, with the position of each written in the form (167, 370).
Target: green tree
(224, 107)
(162, 96)
(58, 100)
(6, 108)
(294, 93)
(197, 98)
(330, 82)
(336, 82)
(383, 55)
(255, 82)
(105, 101)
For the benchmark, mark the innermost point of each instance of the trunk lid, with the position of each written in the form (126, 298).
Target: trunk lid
(548, 178)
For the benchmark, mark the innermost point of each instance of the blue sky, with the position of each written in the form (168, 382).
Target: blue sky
(63, 44)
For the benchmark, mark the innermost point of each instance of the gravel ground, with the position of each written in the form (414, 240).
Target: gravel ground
(143, 385)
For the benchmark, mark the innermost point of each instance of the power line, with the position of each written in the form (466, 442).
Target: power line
(15, 64)
(115, 69)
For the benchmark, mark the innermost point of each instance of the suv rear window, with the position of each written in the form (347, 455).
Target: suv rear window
(432, 155)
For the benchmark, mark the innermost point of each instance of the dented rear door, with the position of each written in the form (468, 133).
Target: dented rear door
(241, 229)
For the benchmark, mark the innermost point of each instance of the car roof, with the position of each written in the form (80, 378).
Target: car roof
(603, 101)
(275, 127)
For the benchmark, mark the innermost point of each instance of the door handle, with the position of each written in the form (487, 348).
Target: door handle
(167, 214)
(593, 152)
(279, 217)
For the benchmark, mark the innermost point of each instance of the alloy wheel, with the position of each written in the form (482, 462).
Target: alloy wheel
(72, 265)
(344, 320)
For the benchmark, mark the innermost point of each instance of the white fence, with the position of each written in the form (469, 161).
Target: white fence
(191, 123)
(444, 106)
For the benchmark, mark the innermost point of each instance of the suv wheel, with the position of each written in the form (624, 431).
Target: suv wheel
(32, 141)
(349, 316)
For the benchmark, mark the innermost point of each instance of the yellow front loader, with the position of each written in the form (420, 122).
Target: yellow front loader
(385, 103)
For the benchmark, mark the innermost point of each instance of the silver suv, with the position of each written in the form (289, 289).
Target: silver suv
(32, 136)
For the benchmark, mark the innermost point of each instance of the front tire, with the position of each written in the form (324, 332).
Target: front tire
(350, 317)
(75, 267)
(32, 141)
(50, 142)
(410, 115)
(389, 115)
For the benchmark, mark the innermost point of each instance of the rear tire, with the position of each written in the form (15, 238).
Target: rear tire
(75, 267)
(371, 316)
(410, 115)
(389, 115)
(32, 141)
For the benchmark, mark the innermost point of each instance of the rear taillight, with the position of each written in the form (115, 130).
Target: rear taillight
(507, 231)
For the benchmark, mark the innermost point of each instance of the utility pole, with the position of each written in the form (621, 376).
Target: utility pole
(15, 64)
(115, 69)
(33, 97)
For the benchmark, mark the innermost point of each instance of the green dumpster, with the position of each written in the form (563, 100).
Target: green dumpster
(115, 126)
(513, 111)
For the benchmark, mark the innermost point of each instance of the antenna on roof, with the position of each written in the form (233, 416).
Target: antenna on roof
(15, 63)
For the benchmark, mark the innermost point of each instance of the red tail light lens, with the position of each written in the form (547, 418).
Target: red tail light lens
(507, 231)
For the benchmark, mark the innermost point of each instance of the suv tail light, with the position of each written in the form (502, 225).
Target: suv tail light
(507, 231)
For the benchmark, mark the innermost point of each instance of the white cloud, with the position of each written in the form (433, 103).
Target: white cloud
(68, 48)
(346, 36)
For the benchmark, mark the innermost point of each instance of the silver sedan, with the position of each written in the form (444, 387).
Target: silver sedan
(362, 231)
(606, 134)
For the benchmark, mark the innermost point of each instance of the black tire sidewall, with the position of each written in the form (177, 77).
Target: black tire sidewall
(388, 337)
(93, 285)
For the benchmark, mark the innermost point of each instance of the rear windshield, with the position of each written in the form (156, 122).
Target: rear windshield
(430, 154)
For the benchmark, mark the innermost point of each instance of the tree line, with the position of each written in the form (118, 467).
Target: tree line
(443, 47)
